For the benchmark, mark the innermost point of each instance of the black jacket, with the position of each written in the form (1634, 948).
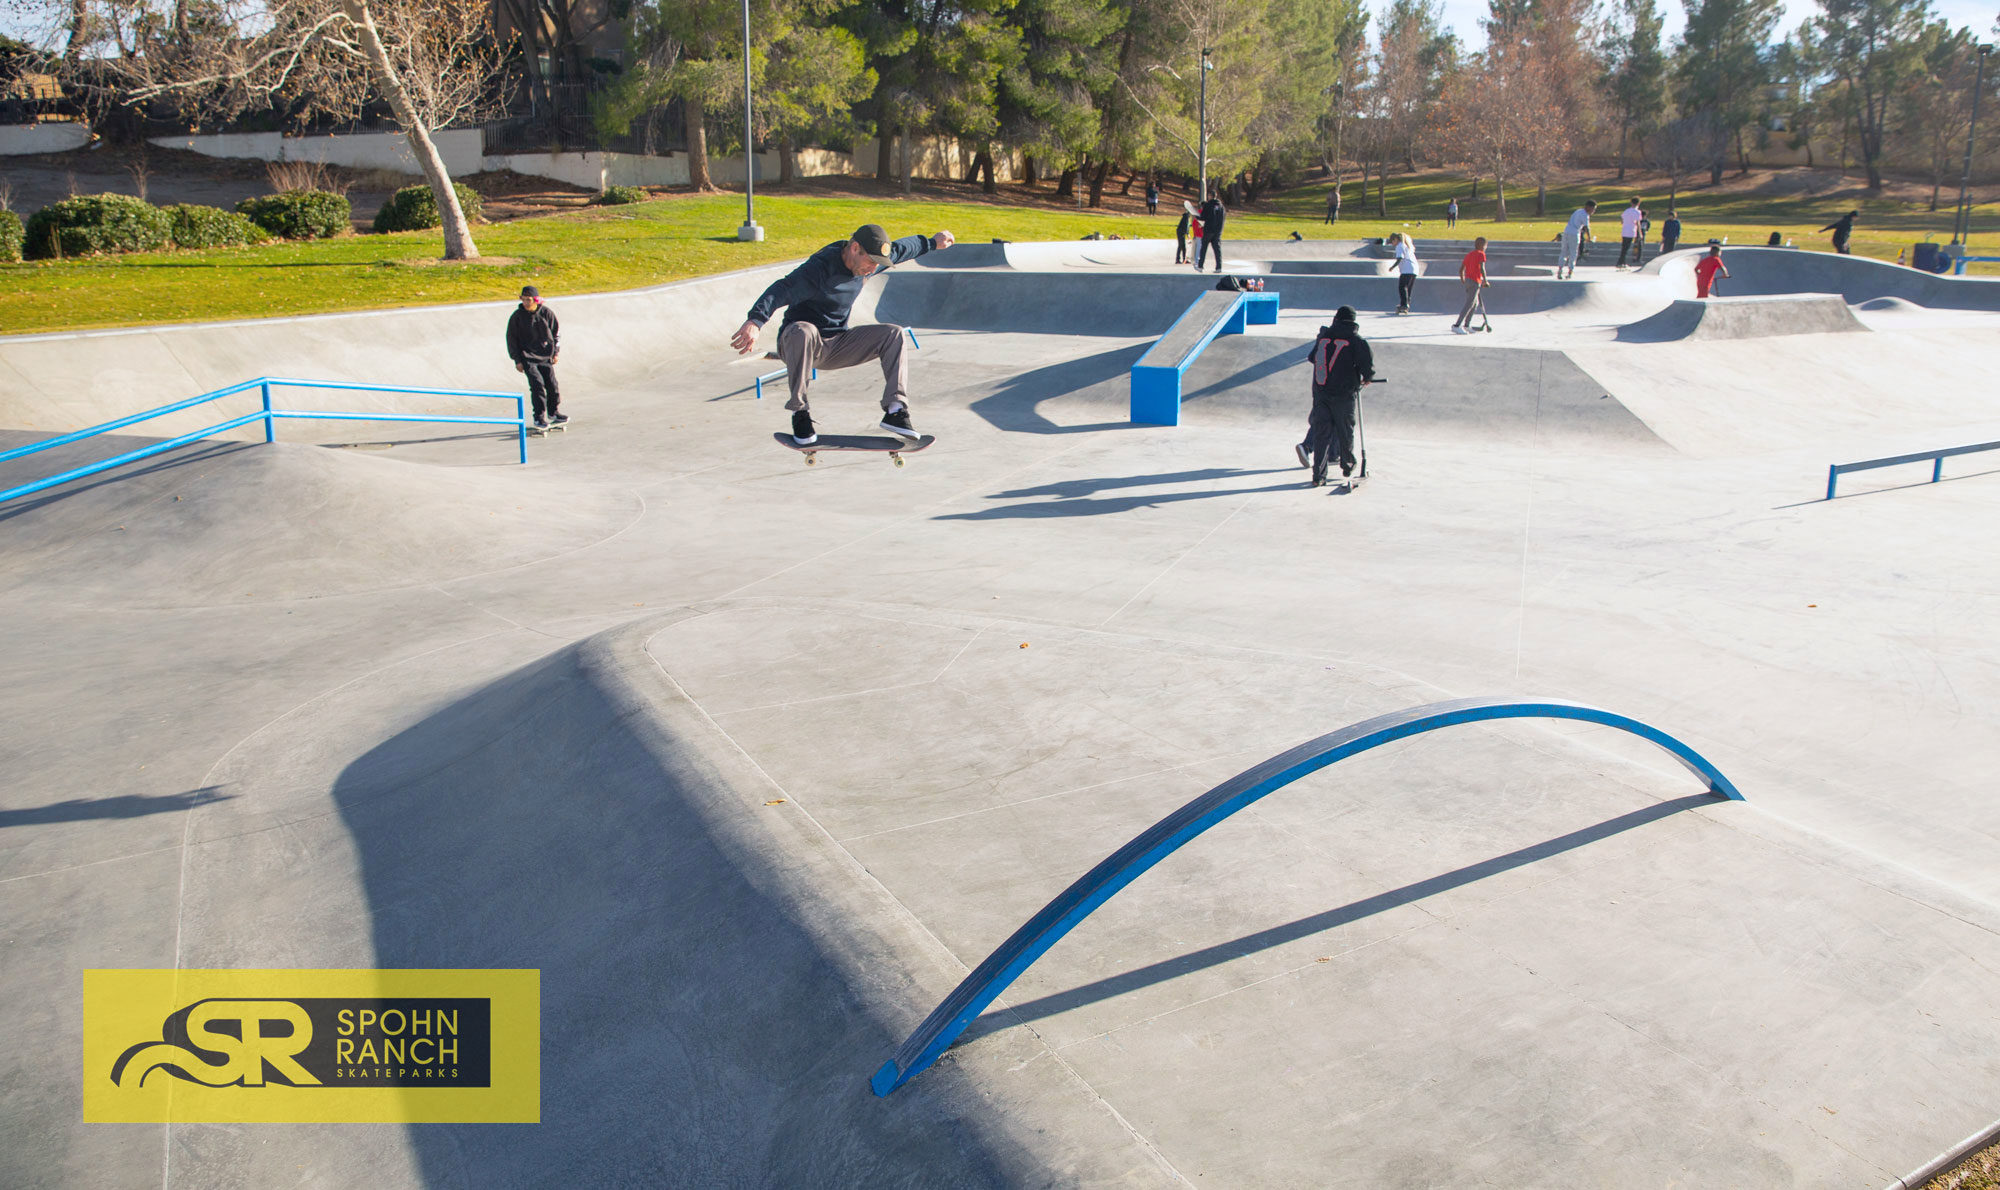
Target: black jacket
(533, 338)
(1212, 215)
(1841, 228)
(1182, 230)
(822, 290)
(1341, 359)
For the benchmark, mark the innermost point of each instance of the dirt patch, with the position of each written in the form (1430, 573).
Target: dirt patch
(1981, 1171)
(507, 195)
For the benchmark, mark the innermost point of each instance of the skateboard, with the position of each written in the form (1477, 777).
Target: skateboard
(896, 448)
(553, 428)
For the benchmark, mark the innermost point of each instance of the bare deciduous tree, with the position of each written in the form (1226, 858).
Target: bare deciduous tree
(432, 61)
(1501, 114)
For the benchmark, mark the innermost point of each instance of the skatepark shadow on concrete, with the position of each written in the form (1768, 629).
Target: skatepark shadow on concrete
(1073, 502)
(122, 806)
(695, 1030)
(1071, 489)
(56, 460)
(1015, 405)
(1305, 927)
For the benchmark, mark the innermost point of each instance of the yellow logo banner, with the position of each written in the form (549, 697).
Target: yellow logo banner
(398, 1047)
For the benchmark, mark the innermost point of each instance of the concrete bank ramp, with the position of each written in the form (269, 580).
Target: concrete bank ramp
(233, 523)
(1756, 272)
(1744, 318)
(1130, 304)
(1497, 394)
(714, 969)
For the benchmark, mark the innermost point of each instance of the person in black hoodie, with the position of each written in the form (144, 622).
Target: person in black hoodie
(1212, 215)
(1180, 237)
(817, 297)
(533, 341)
(1842, 229)
(1341, 363)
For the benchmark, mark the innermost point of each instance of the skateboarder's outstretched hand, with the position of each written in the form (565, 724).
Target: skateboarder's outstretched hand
(943, 240)
(745, 337)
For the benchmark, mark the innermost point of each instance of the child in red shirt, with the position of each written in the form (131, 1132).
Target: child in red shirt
(1705, 270)
(1472, 271)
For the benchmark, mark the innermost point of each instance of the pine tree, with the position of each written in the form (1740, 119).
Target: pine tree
(1635, 74)
(1874, 47)
(1720, 69)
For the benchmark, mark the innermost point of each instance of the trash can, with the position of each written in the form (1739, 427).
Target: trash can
(1931, 258)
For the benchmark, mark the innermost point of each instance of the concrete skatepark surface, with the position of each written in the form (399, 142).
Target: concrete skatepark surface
(753, 762)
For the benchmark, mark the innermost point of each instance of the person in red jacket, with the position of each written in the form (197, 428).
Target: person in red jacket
(1706, 269)
(1472, 271)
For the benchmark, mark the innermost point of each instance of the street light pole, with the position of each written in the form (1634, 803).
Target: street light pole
(749, 232)
(1206, 66)
(1961, 220)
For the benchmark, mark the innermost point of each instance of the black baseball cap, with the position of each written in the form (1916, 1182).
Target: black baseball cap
(530, 291)
(874, 243)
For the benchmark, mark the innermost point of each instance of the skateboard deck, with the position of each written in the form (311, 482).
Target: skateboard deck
(544, 431)
(895, 448)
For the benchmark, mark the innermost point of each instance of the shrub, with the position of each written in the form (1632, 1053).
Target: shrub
(414, 208)
(612, 196)
(212, 227)
(10, 236)
(96, 223)
(299, 214)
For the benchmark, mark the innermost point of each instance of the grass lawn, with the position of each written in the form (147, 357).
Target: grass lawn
(612, 248)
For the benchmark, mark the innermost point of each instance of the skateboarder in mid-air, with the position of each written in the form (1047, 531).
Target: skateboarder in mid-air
(817, 297)
(1342, 362)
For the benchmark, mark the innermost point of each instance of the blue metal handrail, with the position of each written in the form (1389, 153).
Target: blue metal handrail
(1163, 838)
(269, 415)
(1936, 459)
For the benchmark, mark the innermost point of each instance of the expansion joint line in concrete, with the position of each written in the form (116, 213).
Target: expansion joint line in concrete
(999, 970)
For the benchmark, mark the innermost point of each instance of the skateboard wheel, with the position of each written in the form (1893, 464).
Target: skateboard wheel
(897, 459)
(811, 458)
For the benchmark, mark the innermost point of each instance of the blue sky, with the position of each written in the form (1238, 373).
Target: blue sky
(1464, 16)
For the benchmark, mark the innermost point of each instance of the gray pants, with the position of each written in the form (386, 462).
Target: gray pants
(804, 348)
(1472, 292)
(1567, 260)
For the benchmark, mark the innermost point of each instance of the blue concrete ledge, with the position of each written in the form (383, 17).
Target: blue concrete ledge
(1156, 378)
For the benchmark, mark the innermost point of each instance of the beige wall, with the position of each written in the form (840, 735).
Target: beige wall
(16, 139)
(463, 149)
(935, 157)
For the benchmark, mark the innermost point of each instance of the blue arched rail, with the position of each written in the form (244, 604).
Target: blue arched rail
(1163, 838)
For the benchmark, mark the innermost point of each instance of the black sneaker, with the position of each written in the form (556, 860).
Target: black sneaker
(898, 423)
(802, 429)
(560, 419)
(1346, 468)
(1305, 459)
(541, 423)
